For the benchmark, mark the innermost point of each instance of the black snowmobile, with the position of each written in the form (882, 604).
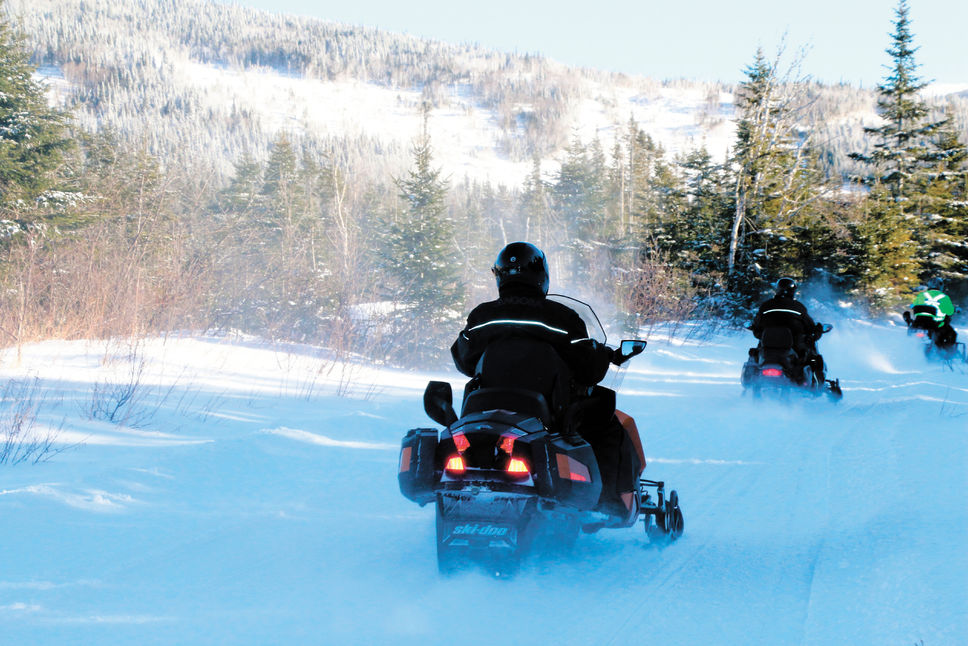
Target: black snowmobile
(507, 479)
(939, 344)
(775, 368)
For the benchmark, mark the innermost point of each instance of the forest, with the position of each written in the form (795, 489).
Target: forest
(135, 208)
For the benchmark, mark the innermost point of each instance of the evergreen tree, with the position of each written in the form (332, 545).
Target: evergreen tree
(901, 148)
(578, 198)
(946, 199)
(907, 157)
(776, 178)
(702, 233)
(640, 195)
(420, 258)
(280, 186)
(244, 192)
(886, 263)
(33, 137)
(540, 226)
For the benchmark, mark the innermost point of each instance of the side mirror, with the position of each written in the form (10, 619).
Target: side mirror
(826, 327)
(439, 402)
(627, 349)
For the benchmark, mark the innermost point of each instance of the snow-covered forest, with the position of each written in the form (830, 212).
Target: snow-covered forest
(206, 166)
(236, 245)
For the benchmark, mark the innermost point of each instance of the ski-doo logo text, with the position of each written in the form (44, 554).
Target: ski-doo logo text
(473, 529)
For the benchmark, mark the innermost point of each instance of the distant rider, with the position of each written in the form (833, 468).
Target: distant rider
(783, 310)
(932, 311)
(514, 329)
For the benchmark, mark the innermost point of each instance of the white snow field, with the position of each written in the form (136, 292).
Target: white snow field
(248, 495)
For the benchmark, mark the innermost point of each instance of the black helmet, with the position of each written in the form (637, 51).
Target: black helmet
(786, 288)
(522, 263)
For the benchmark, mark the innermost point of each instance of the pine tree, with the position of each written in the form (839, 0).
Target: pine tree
(244, 192)
(420, 257)
(908, 160)
(540, 226)
(702, 233)
(579, 205)
(33, 137)
(901, 148)
(887, 267)
(946, 198)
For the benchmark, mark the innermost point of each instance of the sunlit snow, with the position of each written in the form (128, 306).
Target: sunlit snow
(245, 502)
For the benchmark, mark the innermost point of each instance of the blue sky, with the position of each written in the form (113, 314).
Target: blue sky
(699, 39)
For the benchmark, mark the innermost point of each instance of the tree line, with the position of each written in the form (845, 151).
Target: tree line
(103, 236)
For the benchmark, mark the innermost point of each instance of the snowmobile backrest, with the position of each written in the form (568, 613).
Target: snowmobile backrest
(524, 402)
(777, 338)
(521, 363)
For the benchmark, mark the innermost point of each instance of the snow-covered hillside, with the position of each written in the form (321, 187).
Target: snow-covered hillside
(239, 500)
(205, 83)
(466, 135)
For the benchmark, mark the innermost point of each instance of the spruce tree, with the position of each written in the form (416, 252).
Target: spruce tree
(33, 137)
(578, 197)
(907, 158)
(420, 258)
(887, 266)
(945, 195)
(902, 146)
(702, 233)
(540, 227)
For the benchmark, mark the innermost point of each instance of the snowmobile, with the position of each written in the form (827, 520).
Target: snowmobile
(935, 346)
(508, 480)
(774, 368)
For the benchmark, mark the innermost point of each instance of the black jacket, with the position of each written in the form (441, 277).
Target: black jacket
(520, 313)
(789, 313)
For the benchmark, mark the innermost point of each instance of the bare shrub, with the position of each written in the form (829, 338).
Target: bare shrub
(20, 439)
(655, 291)
(111, 279)
(125, 399)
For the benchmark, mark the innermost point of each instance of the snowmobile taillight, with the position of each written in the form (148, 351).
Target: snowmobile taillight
(772, 372)
(461, 442)
(920, 335)
(507, 443)
(518, 468)
(455, 466)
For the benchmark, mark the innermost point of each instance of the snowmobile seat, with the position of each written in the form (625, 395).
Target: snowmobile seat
(777, 338)
(516, 400)
(526, 364)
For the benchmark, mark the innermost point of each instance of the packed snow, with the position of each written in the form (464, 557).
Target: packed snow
(246, 493)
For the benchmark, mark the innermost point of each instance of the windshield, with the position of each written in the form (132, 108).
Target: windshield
(587, 314)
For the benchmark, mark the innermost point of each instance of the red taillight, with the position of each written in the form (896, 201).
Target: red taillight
(461, 442)
(507, 443)
(455, 465)
(920, 335)
(772, 372)
(518, 468)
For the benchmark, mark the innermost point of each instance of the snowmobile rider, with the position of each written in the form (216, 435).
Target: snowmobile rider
(783, 310)
(524, 340)
(933, 310)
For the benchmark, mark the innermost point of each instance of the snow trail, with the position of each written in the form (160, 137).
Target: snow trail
(258, 513)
